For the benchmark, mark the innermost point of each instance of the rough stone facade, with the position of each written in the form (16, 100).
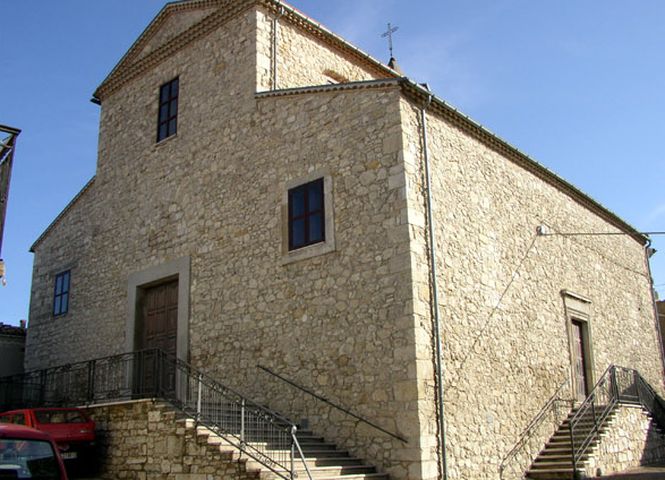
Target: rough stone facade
(143, 441)
(353, 321)
(505, 326)
(632, 439)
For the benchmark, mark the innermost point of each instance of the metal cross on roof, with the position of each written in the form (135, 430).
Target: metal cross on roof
(389, 34)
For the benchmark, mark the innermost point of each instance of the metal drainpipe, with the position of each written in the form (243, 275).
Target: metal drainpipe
(647, 256)
(275, 27)
(435, 293)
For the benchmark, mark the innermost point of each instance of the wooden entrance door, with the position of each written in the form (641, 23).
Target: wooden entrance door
(159, 315)
(580, 360)
(159, 329)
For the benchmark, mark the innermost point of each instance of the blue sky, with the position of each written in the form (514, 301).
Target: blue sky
(576, 85)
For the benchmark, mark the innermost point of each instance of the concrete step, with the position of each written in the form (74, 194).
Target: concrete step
(314, 454)
(363, 476)
(323, 459)
(335, 470)
(550, 474)
(557, 457)
(332, 461)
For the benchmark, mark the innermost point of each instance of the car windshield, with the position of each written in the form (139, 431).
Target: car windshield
(59, 416)
(21, 458)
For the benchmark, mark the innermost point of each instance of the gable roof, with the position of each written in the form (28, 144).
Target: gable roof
(62, 214)
(132, 64)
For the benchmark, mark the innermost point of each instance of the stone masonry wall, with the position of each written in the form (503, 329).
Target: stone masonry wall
(302, 59)
(143, 441)
(337, 322)
(632, 439)
(133, 216)
(505, 334)
(69, 247)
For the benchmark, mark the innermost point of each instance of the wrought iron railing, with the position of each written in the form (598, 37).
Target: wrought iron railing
(262, 434)
(616, 385)
(543, 424)
(651, 401)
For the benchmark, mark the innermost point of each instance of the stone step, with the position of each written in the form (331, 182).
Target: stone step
(363, 476)
(323, 459)
(550, 474)
(334, 470)
(332, 461)
(557, 457)
(317, 454)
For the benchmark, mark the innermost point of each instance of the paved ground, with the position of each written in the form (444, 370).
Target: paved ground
(640, 473)
(656, 472)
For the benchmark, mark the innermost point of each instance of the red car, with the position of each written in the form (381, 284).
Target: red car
(29, 453)
(72, 430)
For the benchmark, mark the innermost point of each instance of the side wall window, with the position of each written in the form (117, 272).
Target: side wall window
(167, 124)
(308, 227)
(306, 215)
(61, 293)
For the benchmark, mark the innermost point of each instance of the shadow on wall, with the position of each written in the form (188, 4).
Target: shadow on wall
(654, 447)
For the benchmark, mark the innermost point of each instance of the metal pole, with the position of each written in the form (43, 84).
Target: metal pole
(242, 421)
(293, 454)
(294, 441)
(198, 399)
(274, 50)
(435, 296)
(91, 381)
(572, 448)
(647, 255)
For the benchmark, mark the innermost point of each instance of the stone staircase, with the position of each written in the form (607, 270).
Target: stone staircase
(554, 461)
(325, 460)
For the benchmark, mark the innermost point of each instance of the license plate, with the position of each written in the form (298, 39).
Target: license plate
(68, 455)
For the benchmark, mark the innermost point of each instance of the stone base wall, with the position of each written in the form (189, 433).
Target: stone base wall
(631, 440)
(142, 440)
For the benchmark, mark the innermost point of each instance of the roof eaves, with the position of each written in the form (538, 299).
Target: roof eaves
(149, 32)
(333, 87)
(522, 158)
(57, 219)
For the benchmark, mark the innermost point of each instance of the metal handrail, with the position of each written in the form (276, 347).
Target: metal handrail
(616, 385)
(603, 391)
(257, 431)
(530, 429)
(294, 429)
(332, 404)
(651, 401)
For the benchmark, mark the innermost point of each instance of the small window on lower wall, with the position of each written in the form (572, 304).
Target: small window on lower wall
(308, 217)
(61, 293)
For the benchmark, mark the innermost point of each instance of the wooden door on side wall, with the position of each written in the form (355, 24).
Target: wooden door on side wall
(580, 360)
(159, 330)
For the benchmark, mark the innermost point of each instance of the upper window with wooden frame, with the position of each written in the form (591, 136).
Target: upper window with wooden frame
(61, 293)
(167, 124)
(306, 215)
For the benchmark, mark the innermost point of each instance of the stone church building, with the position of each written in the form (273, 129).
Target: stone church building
(268, 194)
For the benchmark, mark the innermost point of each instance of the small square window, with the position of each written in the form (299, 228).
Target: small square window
(61, 293)
(306, 215)
(167, 121)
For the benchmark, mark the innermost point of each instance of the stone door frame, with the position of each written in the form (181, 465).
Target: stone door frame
(577, 309)
(137, 281)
